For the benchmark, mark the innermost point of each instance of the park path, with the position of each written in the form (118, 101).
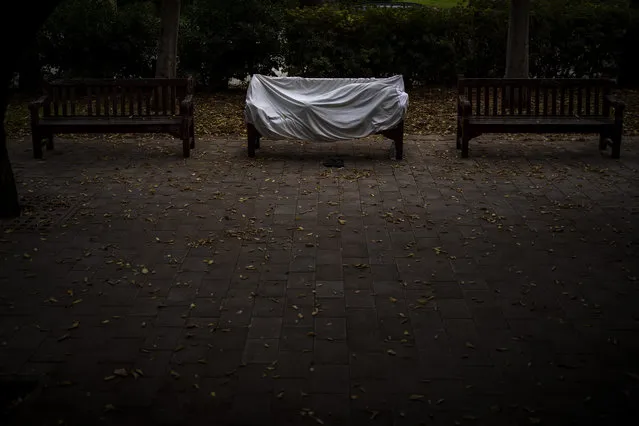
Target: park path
(141, 288)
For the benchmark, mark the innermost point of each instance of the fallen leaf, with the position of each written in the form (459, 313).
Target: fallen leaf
(213, 394)
(470, 345)
(75, 324)
(175, 374)
(416, 397)
(391, 352)
(63, 337)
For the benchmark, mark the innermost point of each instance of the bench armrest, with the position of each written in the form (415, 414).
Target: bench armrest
(463, 106)
(616, 104)
(186, 106)
(38, 103)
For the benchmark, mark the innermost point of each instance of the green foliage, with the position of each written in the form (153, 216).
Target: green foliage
(96, 38)
(568, 38)
(220, 39)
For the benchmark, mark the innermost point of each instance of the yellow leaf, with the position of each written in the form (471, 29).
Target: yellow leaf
(175, 374)
(392, 299)
(341, 221)
(145, 271)
(107, 378)
(75, 324)
(213, 394)
(416, 397)
(75, 302)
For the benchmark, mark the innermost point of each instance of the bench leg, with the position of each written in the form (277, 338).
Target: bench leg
(399, 146)
(616, 146)
(465, 139)
(257, 142)
(252, 139)
(459, 135)
(37, 145)
(192, 134)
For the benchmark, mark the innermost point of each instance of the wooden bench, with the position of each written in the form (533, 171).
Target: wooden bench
(146, 105)
(487, 105)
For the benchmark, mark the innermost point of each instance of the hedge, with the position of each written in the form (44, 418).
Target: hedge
(220, 39)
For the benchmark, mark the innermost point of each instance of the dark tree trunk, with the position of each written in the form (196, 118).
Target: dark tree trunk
(19, 25)
(518, 39)
(168, 40)
(517, 48)
(9, 205)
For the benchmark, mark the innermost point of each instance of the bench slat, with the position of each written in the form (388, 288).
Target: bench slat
(131, 97)
(571, 101)
(98, 101)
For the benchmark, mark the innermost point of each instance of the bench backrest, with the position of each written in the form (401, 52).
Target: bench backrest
(537, 97)
(116, 98)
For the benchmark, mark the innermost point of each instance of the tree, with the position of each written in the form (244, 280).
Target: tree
(19, 25)
(517, 48)
(168, 41)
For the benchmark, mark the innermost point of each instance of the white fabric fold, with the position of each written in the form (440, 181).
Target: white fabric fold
(324, 109)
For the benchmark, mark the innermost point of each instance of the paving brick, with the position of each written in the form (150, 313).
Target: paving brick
(330, 379)
(330, 351)
(265, 328)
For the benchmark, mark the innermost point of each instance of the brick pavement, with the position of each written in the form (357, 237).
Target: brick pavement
(144, 289)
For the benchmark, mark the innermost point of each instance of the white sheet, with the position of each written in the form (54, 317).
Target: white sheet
(324, 109)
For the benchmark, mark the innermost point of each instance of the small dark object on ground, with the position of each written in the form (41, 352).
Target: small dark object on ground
(334, 162)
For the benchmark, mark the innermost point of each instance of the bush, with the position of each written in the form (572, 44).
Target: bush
(220, 39)
(568, 38)
(94, 38)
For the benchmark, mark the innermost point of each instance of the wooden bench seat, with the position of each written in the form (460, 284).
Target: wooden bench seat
(114, 106)
(487, 105)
